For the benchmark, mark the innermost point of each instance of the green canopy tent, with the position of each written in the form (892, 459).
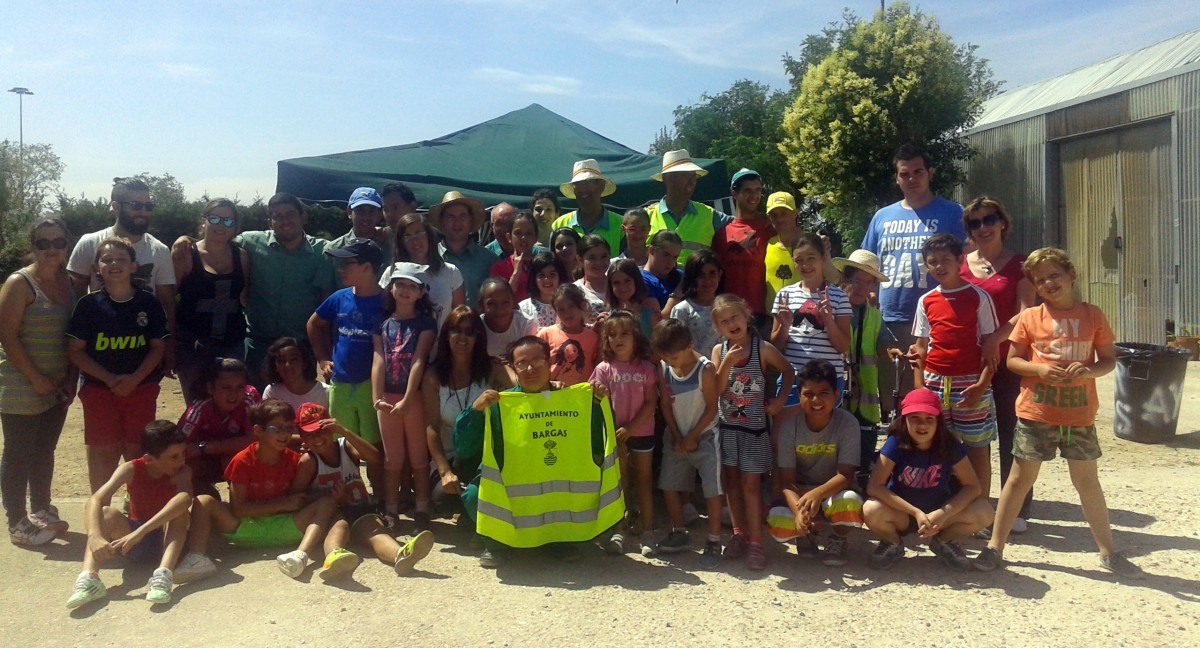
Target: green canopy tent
(502, 159)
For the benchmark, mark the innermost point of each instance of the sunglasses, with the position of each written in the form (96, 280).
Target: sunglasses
(989, 220)
(134, 205)
(45, 244)
(227, 221)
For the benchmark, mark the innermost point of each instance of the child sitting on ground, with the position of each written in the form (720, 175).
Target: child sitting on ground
(910, 486)
(330, 468)
(817, 456)
(218, 427)
(160, 491)
(1059, 348)
(267, 503)
(689, 406)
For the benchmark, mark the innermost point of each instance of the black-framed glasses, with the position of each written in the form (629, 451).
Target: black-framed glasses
(45, 244)
(227, 221)
(989, 220)
(135, 205)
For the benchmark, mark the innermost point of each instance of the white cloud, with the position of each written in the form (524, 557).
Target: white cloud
(545, 84)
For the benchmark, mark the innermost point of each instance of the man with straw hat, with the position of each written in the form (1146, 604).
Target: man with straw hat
(587, 186)
(869, 340)
(457, 217)
(696, 223)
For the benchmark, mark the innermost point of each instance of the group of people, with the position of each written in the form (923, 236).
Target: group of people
(541, 386)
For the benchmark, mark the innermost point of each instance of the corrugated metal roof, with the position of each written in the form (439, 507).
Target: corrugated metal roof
(1168, 58)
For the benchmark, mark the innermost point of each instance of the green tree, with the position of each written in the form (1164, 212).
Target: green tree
(741, 125)
(881, 83)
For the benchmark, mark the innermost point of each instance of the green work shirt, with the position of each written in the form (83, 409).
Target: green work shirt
(609, 227)
(474, 262)
(285, 288)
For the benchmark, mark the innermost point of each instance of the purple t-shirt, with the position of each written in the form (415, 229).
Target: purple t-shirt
(917, 477)
(400, 339)
(627, 384)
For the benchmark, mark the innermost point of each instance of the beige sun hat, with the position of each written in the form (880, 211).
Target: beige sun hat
(452, 197)
(676, 161)
(864, 260)
(586, 170)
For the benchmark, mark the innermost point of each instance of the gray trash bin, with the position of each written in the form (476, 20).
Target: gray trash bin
(1149, 391)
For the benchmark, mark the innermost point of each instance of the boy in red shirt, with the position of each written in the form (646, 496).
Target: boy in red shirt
(218, 427)
(268, 505)
(1059, 348)
(950, 325)
(160, 492)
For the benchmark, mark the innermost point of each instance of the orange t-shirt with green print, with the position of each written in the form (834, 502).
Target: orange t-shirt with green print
(1061, 337)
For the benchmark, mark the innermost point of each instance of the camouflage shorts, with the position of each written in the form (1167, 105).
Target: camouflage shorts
(1036, 441)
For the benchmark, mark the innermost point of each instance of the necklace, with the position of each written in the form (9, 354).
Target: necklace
(987, 267)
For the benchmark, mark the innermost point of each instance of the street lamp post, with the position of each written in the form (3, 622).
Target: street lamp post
(21, 92)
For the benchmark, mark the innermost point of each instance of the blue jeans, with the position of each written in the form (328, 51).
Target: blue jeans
(27, 465)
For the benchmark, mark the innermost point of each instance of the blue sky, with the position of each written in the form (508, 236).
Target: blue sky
(216, 92)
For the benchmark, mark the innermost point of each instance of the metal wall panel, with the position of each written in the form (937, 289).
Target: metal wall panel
(1092, 220)
(1154, 99)
(1010, 166)
(1187, 138)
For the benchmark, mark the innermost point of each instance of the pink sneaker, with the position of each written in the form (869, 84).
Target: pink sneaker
(48, 519)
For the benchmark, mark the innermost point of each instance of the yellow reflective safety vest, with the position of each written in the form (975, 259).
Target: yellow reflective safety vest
(864, 367)
(550, 488)
(696, 230)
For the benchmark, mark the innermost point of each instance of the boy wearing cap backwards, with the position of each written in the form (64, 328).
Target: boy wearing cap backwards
(267, 503)
(366, 216)
(741, 245)
(340, 334)
(330, 467)
(1059, 348)
(780, 268)
(159, 484)
(950, 325)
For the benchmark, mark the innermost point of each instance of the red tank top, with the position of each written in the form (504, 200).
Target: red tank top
(148, 495)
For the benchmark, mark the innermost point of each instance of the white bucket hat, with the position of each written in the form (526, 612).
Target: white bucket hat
(864, 260)
(586, 170)
(676, 161)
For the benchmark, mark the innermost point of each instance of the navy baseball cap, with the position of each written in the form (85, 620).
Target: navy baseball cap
(365, 196)
(364, 250)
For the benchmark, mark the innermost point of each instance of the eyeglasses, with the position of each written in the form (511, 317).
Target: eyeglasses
(468, 332)
(539, 363)
(989, 220)
(45, 244)
(227, 221)
(134, 205)
(289, 428)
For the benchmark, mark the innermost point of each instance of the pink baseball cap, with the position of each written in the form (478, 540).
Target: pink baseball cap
(921, 401)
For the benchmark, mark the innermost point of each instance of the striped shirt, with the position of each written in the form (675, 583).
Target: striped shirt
(42, 333)
(743, 403)
(807, 337)
(687, 395)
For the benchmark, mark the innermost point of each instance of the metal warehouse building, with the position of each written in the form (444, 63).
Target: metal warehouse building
(1105, 162)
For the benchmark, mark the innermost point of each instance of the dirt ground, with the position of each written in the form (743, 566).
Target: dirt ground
(1054, 591)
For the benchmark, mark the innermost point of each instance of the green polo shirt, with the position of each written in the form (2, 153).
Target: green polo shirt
(474, 262)
(285, 287)
(609, 227)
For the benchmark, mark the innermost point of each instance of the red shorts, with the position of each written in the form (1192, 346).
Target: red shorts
(109, 419)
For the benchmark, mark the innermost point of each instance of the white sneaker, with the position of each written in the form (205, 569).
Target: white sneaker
(1020, 526)
(88, 588)
(194, 567)
(292, 563)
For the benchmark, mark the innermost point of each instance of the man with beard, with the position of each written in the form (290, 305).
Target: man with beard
(289, 277)
(155, 272)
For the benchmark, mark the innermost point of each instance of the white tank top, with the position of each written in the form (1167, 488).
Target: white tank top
(346, 472)
(687, 395)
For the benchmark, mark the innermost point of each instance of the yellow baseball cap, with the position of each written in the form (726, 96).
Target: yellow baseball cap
(781, 199)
